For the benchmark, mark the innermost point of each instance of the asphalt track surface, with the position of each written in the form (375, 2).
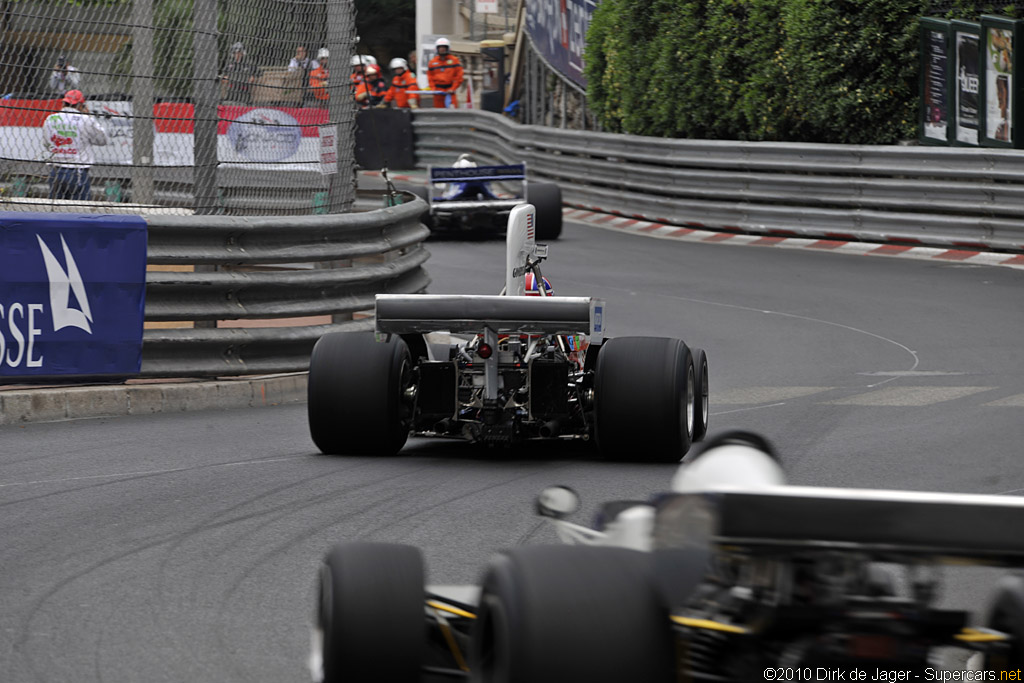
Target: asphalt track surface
(182, 547)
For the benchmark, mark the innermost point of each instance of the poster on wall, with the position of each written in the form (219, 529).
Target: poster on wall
(966, 116)
(999, 64)
(935, 125)
(558, 31)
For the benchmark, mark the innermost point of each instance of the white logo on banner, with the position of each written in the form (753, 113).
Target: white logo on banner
(62, 285)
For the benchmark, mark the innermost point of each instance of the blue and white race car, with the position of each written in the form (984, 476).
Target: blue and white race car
(466, 197)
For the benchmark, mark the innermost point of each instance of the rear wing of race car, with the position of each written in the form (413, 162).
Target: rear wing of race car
(886, 525)
(455, 178)
(421, 313)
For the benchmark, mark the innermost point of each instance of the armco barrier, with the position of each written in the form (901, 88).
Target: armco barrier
(961, 197)
(271, 268)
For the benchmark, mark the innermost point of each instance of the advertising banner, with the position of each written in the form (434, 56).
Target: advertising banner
(966, 115)
(558, 29)
(267, 138)
(72, 295)
(935, 81)
(999, 38)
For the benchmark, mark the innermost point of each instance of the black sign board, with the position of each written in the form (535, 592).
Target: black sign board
(936, 75)
(965, 39)
(1000, 60)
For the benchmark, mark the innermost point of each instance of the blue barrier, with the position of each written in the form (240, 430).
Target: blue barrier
(72, 294)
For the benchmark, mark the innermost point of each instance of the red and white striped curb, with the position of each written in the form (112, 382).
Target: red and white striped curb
(695, 232)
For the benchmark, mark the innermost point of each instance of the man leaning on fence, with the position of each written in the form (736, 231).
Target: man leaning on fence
(403, 86)
(68, 137)
(445, 74)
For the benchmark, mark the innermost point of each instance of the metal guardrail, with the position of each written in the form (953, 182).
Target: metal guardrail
(266, 268)
(963, 197)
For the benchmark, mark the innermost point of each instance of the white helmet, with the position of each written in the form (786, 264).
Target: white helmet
(443, 42)
(734, 459)
(323, 53)
(363, 60)
(398, 63)
(464, 161)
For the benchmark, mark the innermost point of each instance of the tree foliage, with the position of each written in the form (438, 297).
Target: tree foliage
(798, 70)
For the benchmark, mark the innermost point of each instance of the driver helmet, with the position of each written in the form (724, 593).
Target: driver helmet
(398, 63)
(464, 161)
(530, 285)
(735, 459)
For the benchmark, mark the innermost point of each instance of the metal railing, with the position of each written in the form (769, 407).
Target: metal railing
(265, 269)
(938, 196)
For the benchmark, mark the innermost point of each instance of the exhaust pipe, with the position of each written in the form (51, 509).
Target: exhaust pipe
(550, 429)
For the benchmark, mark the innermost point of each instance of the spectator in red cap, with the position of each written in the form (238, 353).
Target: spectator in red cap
(68, 137)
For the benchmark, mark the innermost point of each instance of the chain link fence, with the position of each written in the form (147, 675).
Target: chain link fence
(204, 106)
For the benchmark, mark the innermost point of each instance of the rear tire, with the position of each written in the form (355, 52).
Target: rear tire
(547, 198)
(549, 614)
(644, 399)
(355, 394)
(703, 406)
(370, 614)
(1006, 614)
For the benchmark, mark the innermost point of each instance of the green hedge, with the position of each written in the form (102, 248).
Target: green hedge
(842, 71)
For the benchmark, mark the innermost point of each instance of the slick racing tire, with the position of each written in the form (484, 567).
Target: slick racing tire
(703, 406)
(547, 198)
(550, 614)
(1006, 614)
(644, 399)
(369, 623)
(356, 394)
(423, 193)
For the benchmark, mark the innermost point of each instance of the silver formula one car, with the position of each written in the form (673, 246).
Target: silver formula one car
(505, 369)
(468, 198)
(731, 575)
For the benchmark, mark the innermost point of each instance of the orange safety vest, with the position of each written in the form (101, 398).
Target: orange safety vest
(444, 73)
(403, 88)
(318, 83)
(372, 95)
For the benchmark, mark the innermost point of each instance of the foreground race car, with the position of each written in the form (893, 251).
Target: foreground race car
(731, 575)
(466, 198)
(505, 369)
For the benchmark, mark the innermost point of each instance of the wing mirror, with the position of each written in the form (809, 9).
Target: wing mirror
(557, 502)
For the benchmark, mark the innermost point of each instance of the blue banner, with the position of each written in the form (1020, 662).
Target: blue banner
(558, 29)
(72, 294)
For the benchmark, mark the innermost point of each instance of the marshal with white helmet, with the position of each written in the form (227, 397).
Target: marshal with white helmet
(730, 575)
(505, 369)
(468, 197)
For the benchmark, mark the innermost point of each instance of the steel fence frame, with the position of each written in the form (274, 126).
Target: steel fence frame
(932, 196)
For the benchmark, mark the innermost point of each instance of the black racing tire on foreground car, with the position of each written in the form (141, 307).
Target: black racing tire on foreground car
(547, 199)
(424, 193)
(370, 614)
(1006, 614)
(549, 614)
(355, 394)
(703, 406)
(644, 399)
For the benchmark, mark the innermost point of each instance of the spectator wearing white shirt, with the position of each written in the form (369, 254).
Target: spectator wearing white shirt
(68, 138)
(64, 77)
(302, 62)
